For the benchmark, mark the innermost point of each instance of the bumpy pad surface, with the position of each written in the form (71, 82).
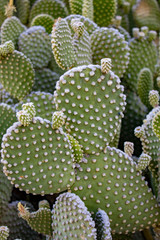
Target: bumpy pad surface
(11, 29)
(17, 74)
(93, 104)
(156, 124)
(109, 42)
(43, 102)
(45, 80)
(110, 182)
(55, 8)
(43, 20)
(35, 44)
(7, 118)
(143, 54)
(40, 158)
(71, 219)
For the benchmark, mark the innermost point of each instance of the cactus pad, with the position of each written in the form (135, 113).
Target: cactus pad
(4, 232)
(32, 168)
(17, 74)
(43, 20)
(11, 29)
(156, 124)
(93, 104)
(71, 219)
(23, 8)
(110, 181)
(109, 42)
(35, 44)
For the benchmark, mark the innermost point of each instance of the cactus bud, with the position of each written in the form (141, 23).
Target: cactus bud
(154, 98)
(106, 65)
(143, 161)
(58, 119)
(129, 148)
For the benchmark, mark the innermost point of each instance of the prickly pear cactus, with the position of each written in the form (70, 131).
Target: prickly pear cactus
(16, 73)
(4, 232)
(22, 10)
(43, 20)
(40, 54)
(156, 124)
(71, 219)
(109, 42)
(93, 103)
(111, 182)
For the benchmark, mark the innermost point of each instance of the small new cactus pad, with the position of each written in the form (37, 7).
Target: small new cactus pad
(35, 44)
(55, 8)
(129, 148)
(43, 102)
(76, 148)
(40, 221)
(71, 219)
(111, 182)
(58, 119)
(156, 124)
(143, 161)
(11, 29)
(154, 98)
(22, 10)
(7, 118)
(4, 232)
(24, 118)
(38, 159)
(18, 227)
(62, 45)
(109, 42)
(43, 20)
(143, 54)
(6, 48)
(30, 109)
(147, 13)
(103, 225)
(93, 104)
(106, 65)
(144, 85)
(90, 26)
(45, 80)
(16, 74)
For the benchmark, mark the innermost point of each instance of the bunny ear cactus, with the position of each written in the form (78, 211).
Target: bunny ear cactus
(40, 220)
(11, 30)
(40, 54)
(71, 219)
(3, 3)
(16, 71)
(156, 124)
(43, 20)
(145, 85)
(143, 54)
(147, 13)
(105, 181)
(87, 9)
(93, 103)
(117, 24)
(102, 225)
(22, 10)
(48, 168)
(54, 8)
(109, 42)
(70, 51)
(43, 102)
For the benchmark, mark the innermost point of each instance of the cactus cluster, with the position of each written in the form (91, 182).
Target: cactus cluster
(79, 119)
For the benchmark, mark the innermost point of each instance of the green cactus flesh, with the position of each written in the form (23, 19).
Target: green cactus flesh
(18, 227)
(93, 104)
(45, 80)
(4, 232)
(90, 26)
(35, 44)
(103, 225)
(143, 54)
(104, 181)
(43, 20)
(87, 9)
(71, 219)
(55, 8)
(22, 10)
(109, 42)
(145, 84)
(76, 6)
(45, 168)
(11, 29)
(3, 3)
(7, 118)
(40, 220)
(16, 74)
(156, 124)
(43, 102)
(5, 188)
